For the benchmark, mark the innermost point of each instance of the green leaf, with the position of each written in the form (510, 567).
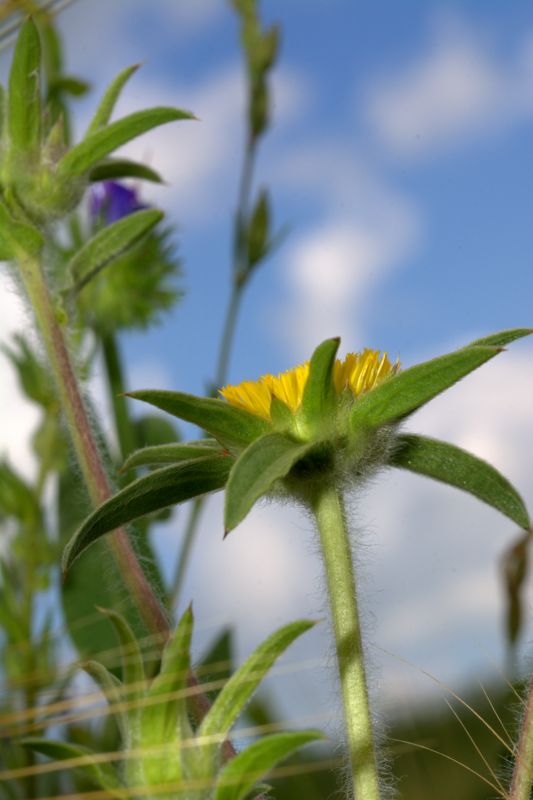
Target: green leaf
(243, 683)
(116, 168)
(102, 775)
(84, 588)
(319, 396)
(265, 461)
(160, 719)
(17, 239)
(133, 676)
(110, 243)
(238, 776)
(232, 426)
(69, 85)
(406, 391)
(98, 145)
(147, 494)
(112, 689)
(172, 453)
(103, 113)
(449, 464)
(502, 338)
(24, 103)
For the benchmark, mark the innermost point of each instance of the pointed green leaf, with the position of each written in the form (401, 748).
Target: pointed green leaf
(232, 426)
(502, 338)
(147, 494)
(319, 395)
(103, 113)
(112, 689)
(98, 145)
(243, 683)
(17, 239)
(265, 461)
(406, 391)
(103, 775)
(449, 464)
(24, 104)
(160, 719)
(133, 676)
(239, 775)
(172, 453)
(116, 168)
(109, 243)
(281, 415)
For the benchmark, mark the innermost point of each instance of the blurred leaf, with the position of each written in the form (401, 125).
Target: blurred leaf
(406, 391)
(17, 239)
(232, 426)
(69, 85)
(110, 243)
(115, 168)
(139, 287)
(159, 489)
(24, 117)
(111, 687)
(154, 430)
(217, 663)
(17, 498)
(449, 464)
(101, 774)
(103, 113)
(515, 567)
(240, 774)
(259, 230)
(33, 376)
(96, 146)
(133, 676)
(266, 460)
(95, 580)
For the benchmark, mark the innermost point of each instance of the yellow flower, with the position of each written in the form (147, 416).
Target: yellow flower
(359, 372)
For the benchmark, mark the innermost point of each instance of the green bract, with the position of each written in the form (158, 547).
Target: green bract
(40, 178)
(330, 438)
(163, 755)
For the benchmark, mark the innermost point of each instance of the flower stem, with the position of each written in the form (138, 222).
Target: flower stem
(84, 443)
(336, 552)
(523, 768)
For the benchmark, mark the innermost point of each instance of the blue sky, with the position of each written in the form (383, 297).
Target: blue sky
(400, 158)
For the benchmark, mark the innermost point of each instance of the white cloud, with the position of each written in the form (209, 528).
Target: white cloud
(18, 417)
(458, 91)
(332, 269)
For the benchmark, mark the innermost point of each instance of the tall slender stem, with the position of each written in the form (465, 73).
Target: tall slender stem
(84, 443)
(337, 555)
(523, 768)
(125, 432)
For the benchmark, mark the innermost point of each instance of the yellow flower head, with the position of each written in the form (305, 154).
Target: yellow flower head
(359, 372)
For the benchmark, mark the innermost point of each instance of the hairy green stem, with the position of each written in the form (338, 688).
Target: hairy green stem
(84, 443)
(523, 769)
(337, 555)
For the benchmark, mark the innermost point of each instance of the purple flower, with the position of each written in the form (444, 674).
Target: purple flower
(110, 201)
